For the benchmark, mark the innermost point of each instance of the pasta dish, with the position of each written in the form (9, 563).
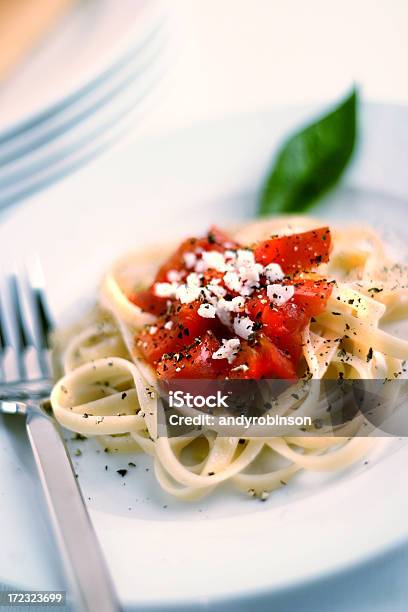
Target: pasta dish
(285, 298)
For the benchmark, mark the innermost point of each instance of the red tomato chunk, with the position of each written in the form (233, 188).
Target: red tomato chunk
(284, 324)
(296, 253)
(182, 342)
(194, 361)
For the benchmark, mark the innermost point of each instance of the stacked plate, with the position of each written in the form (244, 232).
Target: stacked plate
(73, 98)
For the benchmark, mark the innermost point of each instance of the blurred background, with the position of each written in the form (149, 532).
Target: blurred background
(77, 76)
(238, 55)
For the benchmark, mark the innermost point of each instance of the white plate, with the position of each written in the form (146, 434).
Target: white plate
(88, 135)
(67, 61)
(226, 549)
(69, 114)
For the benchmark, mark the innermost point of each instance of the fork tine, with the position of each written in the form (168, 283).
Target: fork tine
(20, 336)
(3, 343)
(42, 324)
(42, 316)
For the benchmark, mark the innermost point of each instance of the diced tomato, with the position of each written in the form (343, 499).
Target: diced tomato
(215, 240)
(264, 360)
(176, 261)
(186, 326)
(189, 325)
(312, 295)
(152, 346)
(189, 322)
(149, 302)
(194, 362)
(297, 252)
(284, 324)
(184, 348)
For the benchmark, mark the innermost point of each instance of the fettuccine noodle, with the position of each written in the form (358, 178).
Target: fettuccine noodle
(108, 391)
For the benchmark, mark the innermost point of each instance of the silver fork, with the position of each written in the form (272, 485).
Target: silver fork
(25, 384)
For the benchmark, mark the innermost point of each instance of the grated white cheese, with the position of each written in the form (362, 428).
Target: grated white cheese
(245, 258)
(168, 325)
(174, 276)
(190, 260)
(210, 297)
(223, 315)
(280, 294)
(228, 350)
(250, 278)
(243, 327)
(191, 290)
(214, 288)
(234, 305)
(226, 307)
(230, 254)
(187, 294)
(153, 329)
(193, 279)
(214, 260)
(273, 272)
(233, 281)
(165, 289)
(243, 273)
(207, 311)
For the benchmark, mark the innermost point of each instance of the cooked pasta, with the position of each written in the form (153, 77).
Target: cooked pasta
(109, 388)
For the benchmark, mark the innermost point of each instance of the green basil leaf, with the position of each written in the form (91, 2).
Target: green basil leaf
(311, 161)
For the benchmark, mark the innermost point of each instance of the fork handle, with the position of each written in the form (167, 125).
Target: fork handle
(85, 568)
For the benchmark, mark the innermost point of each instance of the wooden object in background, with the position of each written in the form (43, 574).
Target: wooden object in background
(22, 25)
